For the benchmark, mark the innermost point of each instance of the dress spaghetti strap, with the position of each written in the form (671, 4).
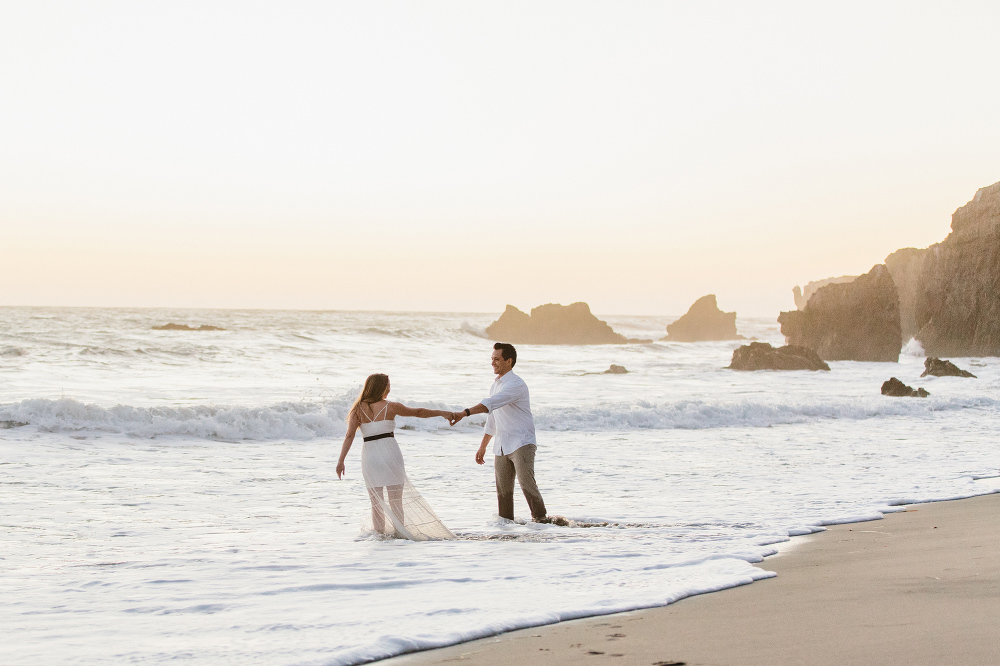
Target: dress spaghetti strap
(376, 416)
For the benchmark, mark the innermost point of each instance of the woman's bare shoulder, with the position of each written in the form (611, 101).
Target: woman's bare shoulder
(399, 409)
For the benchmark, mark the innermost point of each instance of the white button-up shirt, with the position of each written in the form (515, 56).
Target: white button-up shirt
(509, 420)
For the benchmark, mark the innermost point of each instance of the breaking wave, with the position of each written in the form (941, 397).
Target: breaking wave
(478, 331)
(288, 420)
(311, 420)
(698, 414)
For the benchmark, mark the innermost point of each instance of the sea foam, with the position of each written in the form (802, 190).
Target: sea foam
(310, 420)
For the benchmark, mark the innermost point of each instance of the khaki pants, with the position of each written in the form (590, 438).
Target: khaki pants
(519, 463)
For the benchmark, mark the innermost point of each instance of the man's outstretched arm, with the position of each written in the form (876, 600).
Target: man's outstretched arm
(458, 416)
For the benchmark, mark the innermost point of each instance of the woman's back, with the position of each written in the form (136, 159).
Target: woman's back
(376, 422)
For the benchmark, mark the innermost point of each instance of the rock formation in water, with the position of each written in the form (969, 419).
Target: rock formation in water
(897, 389)
(947, 293)
(704, 321)
(941, 368)
(616, 370)
(185, 327)
(905, 267)
(762, 356)
(957, 304)
(852, 321)
(803, 295)
(553, 324)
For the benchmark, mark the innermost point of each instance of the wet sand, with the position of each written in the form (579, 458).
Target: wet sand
(918, 587)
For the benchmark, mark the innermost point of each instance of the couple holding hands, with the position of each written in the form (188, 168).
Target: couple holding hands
(397, 507)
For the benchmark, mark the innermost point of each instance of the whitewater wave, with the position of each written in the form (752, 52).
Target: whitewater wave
(478, 331)
(288, 420)
(13, 351)
(312, 420)
(698, 414)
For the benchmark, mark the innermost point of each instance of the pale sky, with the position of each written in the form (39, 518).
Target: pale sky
(464, 155)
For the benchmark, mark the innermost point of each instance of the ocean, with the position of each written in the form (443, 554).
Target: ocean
(171, 495)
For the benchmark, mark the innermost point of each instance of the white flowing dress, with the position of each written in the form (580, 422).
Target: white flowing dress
(393, 496)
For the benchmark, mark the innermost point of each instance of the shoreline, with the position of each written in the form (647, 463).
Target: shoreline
(921, 585)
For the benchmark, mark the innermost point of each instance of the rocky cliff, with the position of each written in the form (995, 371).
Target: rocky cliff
(553, 324)
(704, 321)
(957, 304)
(853, 321)
(905, 266)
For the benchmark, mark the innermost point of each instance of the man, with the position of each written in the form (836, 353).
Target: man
(511, 423)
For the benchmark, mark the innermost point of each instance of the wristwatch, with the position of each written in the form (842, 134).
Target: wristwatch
(467, 413)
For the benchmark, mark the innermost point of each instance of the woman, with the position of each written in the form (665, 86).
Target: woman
(382, 464)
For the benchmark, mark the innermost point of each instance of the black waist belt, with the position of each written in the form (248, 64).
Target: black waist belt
(382, 436)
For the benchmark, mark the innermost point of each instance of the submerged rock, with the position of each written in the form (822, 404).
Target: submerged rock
(941, 368)
(704, 321)
(897, 389)
(762, 356)
(185, 327)
(851, 321)
(553, 324)
(616, 370)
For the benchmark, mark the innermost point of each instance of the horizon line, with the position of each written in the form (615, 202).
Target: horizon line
(267, 309)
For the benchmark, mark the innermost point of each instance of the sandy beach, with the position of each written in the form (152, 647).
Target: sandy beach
(918, 587)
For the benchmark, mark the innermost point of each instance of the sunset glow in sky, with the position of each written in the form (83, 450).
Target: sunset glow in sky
(464, 155)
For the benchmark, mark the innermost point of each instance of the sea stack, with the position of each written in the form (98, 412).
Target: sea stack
(802, 295)
(704, 321)
(852, 321)
(553, 324)
(185, 327)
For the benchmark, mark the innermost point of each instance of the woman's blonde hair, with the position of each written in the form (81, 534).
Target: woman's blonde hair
(376, 387)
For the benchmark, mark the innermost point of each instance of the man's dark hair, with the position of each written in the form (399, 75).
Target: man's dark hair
(507, 351)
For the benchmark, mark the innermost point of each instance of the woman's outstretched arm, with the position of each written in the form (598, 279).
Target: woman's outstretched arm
(399, 409)
(352, 428)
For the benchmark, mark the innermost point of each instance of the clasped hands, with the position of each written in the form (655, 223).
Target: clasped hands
(455, 417)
